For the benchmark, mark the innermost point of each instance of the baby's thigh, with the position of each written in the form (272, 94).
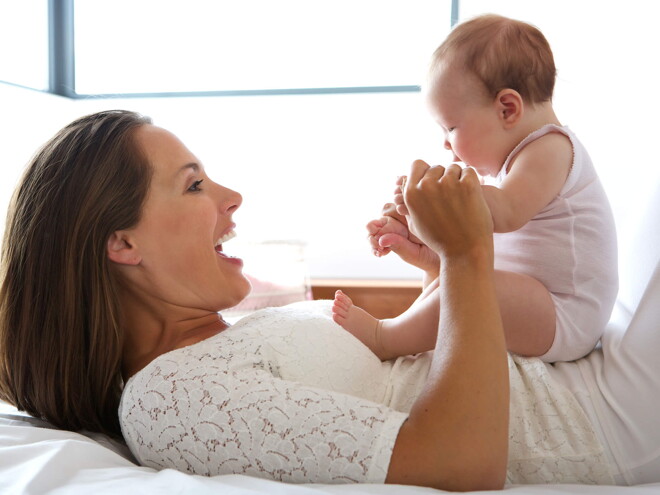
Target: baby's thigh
(528, 313)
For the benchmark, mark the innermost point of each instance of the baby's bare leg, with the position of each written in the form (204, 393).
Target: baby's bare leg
(358, 322)
(416, 329)
(528, 313)
(528, 317)
(411, 332)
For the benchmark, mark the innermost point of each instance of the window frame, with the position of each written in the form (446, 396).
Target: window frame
(61, 56)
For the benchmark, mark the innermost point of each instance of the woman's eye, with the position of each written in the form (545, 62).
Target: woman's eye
(195, 186)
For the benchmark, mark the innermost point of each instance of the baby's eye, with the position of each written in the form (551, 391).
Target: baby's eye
(451, 129)
(195, 186)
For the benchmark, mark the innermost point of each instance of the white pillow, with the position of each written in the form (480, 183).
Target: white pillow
(639, 245)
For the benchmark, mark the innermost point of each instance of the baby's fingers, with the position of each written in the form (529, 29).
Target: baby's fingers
(374, 226)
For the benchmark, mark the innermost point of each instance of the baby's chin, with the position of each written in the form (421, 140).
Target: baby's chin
(484, 170)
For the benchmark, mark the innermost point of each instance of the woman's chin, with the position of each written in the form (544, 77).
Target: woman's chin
(240, 294)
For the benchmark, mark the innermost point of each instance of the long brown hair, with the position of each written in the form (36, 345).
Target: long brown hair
(60, 333)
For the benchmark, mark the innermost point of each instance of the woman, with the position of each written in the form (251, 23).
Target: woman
(113, 258)
(113, 276)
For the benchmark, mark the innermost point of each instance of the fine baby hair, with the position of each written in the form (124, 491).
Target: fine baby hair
(501, 53)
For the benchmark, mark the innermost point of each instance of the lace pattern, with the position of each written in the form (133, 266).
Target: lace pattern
(287, 394)
(222, 406)
(550, 437)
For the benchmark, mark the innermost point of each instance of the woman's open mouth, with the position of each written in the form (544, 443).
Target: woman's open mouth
(219, 249)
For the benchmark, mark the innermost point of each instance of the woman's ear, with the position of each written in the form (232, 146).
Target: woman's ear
(122, 250)
(510, 107)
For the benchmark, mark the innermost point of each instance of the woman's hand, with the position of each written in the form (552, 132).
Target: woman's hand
(399, 204)
(447, 209)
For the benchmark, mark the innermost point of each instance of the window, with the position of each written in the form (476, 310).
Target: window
(163, 47)
(24, 43)
(172, 46)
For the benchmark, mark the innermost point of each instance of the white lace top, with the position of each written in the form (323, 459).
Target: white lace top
(287, 394)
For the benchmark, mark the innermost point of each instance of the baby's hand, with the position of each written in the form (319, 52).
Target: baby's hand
(390, 233)
(381, 232)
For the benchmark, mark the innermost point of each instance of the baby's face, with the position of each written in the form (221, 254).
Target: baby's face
(460, 105)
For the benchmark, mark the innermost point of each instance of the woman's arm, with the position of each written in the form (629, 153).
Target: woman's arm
(456, 436)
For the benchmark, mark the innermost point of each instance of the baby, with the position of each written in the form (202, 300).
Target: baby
(490, 88)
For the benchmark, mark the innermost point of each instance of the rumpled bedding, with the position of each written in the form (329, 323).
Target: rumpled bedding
(35, 459)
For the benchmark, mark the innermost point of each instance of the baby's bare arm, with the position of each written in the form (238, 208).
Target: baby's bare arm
(536, 177)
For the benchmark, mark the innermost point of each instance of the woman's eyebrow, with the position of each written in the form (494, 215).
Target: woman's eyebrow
(193, 166)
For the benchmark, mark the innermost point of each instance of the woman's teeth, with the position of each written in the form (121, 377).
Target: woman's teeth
(227, 237)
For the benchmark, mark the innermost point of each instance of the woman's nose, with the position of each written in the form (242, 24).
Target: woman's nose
(230, 200)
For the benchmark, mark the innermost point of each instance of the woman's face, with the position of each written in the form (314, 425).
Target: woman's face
(186, 219)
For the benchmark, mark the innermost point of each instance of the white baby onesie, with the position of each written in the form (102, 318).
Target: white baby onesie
(570, 247)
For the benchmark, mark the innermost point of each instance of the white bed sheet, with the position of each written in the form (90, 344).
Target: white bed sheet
(36, 459)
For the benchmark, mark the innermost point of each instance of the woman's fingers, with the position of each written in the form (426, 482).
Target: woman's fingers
(447, 209)
(402, 210)
(418, 170)
(400, 184)
(454, 171)
(437, 201)
(468, 174)
(438, 173)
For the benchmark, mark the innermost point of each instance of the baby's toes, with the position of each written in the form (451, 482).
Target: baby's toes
(341, 304)
(343, 300)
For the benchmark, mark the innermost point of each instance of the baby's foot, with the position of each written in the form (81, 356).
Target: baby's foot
(357, 321)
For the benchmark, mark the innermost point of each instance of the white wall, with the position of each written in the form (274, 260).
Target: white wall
(318, 167)
(27, 119)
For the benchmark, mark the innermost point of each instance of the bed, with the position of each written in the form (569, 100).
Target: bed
(37, 458)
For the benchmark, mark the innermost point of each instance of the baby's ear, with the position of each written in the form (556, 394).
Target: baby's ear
(122, 250)
(510, 106)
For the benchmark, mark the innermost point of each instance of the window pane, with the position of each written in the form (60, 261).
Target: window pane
(24, 43)
(216, 45)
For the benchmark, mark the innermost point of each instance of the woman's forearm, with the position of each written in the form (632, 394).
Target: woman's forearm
(456, 436)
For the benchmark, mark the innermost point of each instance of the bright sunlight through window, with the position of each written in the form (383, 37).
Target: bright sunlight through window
(146, 46)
